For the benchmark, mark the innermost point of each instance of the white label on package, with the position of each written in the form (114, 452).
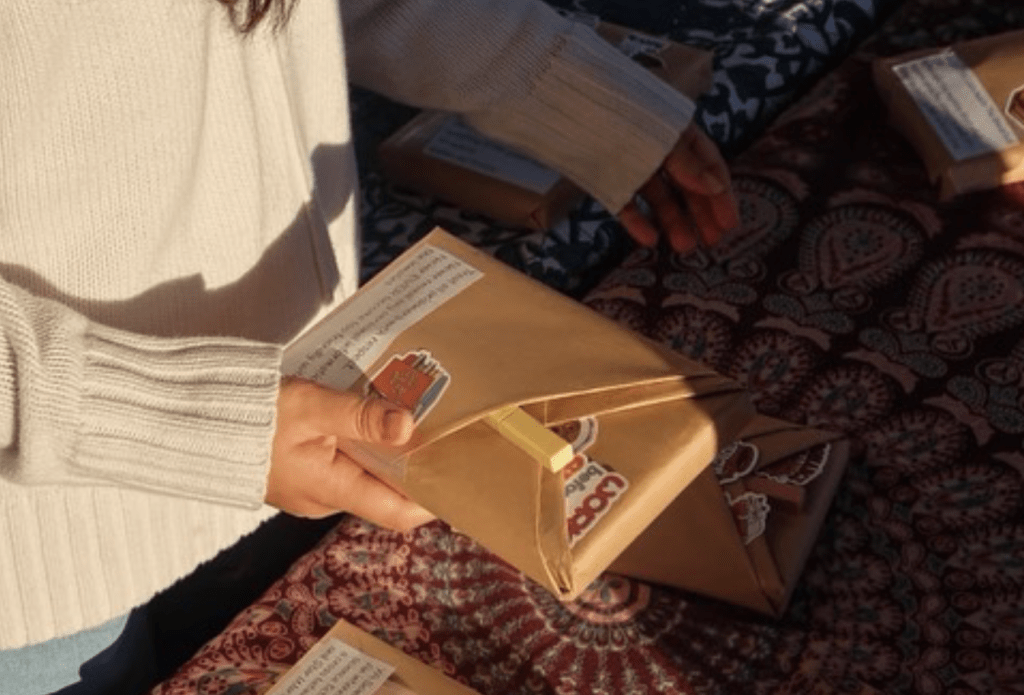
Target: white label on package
(585, 18)
(334, 668)
(458, 143)
(956, 104)
(637, 44)
(339, 350)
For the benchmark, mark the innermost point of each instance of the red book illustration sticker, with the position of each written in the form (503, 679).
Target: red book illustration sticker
(414, 381)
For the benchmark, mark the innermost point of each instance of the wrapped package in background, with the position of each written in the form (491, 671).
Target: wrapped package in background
(349, 661)
(962, 108)
(505, 375)
(438, 154)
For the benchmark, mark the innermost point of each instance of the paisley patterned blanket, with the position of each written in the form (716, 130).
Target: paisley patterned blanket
(852, 299)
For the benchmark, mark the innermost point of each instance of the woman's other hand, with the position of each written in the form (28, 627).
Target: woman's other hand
(689, 199)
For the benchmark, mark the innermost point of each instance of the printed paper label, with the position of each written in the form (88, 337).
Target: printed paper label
(339, 350)
(334, 668)
(956, 104)
(458, 143)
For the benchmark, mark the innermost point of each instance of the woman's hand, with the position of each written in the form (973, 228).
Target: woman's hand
(310, 477)
(695, 173)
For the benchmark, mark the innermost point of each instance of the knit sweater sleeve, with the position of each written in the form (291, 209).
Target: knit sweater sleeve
(84, 404)
(521, 73)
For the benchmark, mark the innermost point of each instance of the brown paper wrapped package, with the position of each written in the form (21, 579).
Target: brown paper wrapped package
(404, 159)
(505, 339)
(410, 674)
(998, 63)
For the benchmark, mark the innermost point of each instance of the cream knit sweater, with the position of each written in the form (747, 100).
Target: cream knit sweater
(176, 203)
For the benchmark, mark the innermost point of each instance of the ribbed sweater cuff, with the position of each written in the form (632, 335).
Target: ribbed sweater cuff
(605, 122)
(189, 417)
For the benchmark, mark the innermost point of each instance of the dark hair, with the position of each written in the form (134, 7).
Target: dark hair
(247, 14)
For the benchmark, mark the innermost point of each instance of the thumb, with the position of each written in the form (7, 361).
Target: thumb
(350, 416)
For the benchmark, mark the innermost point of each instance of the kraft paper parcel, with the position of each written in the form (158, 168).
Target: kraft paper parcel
(349, 661)
(454, 335)
(962, 108)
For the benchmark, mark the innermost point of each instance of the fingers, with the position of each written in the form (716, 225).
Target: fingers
(698, 169)
(702, 211)
(638, 225)
(669, 214)
(696, 173)
(330, 482)
(696, 164)
(369, 498)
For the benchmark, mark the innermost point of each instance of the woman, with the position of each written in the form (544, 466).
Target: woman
(178, 201)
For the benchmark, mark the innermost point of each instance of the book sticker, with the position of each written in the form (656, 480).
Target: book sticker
(956, 104)
(414, 381)
(458, 143)
(333, 667)
(339, 350)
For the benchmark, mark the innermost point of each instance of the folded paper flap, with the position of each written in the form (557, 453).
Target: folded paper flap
(553, 409)
(505, 339)
(775, 458)
(479, 484)
(660, 450)
(777, 439)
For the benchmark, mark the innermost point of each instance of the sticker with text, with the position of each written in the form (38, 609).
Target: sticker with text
(414, 381)
(591, 489)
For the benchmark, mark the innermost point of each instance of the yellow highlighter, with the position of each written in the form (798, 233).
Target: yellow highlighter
(537, 441)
